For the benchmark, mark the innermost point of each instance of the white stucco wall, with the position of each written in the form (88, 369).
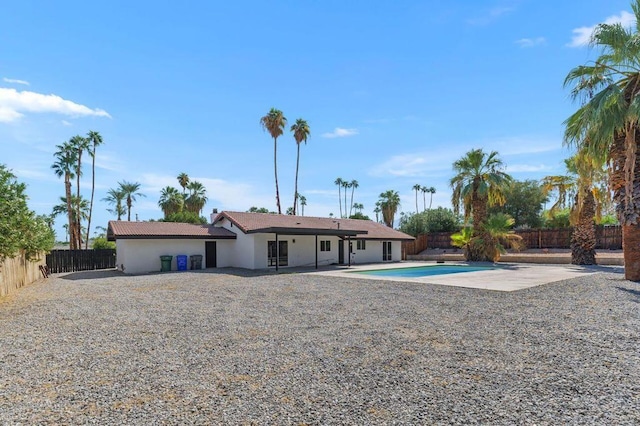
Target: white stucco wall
(373, 252)
(142, 256)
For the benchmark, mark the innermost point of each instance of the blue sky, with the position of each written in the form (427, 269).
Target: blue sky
(394, 92)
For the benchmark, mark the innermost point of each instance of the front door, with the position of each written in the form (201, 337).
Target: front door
(211, 254)
(341, 252)
(386, 251)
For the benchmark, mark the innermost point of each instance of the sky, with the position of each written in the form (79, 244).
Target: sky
(394, 93)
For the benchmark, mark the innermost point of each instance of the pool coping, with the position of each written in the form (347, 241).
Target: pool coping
(509, 276)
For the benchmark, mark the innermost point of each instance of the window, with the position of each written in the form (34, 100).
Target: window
(360, 245)
(325, 245)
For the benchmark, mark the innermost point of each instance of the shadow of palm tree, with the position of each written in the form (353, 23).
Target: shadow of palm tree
(633, 292)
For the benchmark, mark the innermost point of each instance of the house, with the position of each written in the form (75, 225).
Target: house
(256, 241)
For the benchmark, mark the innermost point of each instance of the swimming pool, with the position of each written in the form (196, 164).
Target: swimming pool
(425, 271)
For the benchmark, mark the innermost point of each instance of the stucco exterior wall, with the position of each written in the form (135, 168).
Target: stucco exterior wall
(373, 252)
(142, 256)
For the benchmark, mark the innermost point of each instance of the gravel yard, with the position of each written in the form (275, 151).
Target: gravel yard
(232, 347)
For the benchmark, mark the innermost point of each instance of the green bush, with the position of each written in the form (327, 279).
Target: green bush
(20, 228)
(436, 220)
(101, 243)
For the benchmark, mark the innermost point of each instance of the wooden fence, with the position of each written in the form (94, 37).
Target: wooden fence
(80, 260)
(607, 238)
(16, 272)
(414, 247)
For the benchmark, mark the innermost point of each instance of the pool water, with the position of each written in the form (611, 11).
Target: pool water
(425, 271)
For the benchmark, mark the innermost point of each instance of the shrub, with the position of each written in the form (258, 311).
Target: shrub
(101, 243)
(436, 220)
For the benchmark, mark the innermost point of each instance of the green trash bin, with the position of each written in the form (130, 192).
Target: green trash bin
(165, 261)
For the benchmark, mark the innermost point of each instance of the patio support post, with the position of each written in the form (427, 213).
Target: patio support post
(349, 249)
(316, 251)
(277, 253)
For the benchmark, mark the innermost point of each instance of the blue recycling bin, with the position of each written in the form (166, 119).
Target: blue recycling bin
(181, 262)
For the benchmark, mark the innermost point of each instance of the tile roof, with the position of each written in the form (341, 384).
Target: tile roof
(266, 222)
(119, 229)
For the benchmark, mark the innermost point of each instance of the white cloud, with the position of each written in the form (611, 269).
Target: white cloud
(66, 123)
(491, 15)
(15, 81)
(582, 36)
(14, 103)
(340, 132)
(530, 42)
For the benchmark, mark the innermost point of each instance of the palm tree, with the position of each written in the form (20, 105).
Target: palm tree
(496, 233)
(389, 203)
(171, 201)
(424, 190)
(303, 203)
(478, 184)
(563, 186)
(358, 207)
(608, 122)
(130, 192)
(83, 205)
(340, 182)
(95, 139)
(345, 185)
(417, 188)
(432, 191)
(377, 211)
(197, 197)
(115, 197)
(183, 181)
(274, 122)
(64, 166)
(81, 145)
(301, 132)
(353, 184)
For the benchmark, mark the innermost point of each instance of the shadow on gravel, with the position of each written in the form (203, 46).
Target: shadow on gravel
(632, 292)
(92, 275)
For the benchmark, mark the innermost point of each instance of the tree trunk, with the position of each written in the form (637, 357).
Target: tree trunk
(416, 201)
(67, 190)
(295, 192)
(353, 189)
(631, 248)
(275, 170)
(93, 187)
(583, 237)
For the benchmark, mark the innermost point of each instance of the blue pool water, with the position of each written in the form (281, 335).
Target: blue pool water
(425, 271)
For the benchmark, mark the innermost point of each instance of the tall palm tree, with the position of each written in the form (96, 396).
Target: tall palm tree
(171, 201)
(115, 197)
(303, 203)
(417, 188)
(64, 166)
(608, 121)
(478, 184)
(377, 211)
(274, 122)
(353, 184)
(389, 204)
(197, 197)
(424, 190)
(432, 191)
(301, 132)
(95, 140)
(62, 209)
(183, 181)
(340, 182)
(345, 185)
(130, 191)
(81, 145)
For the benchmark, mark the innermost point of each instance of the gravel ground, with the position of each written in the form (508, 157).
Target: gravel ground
(235, 348)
